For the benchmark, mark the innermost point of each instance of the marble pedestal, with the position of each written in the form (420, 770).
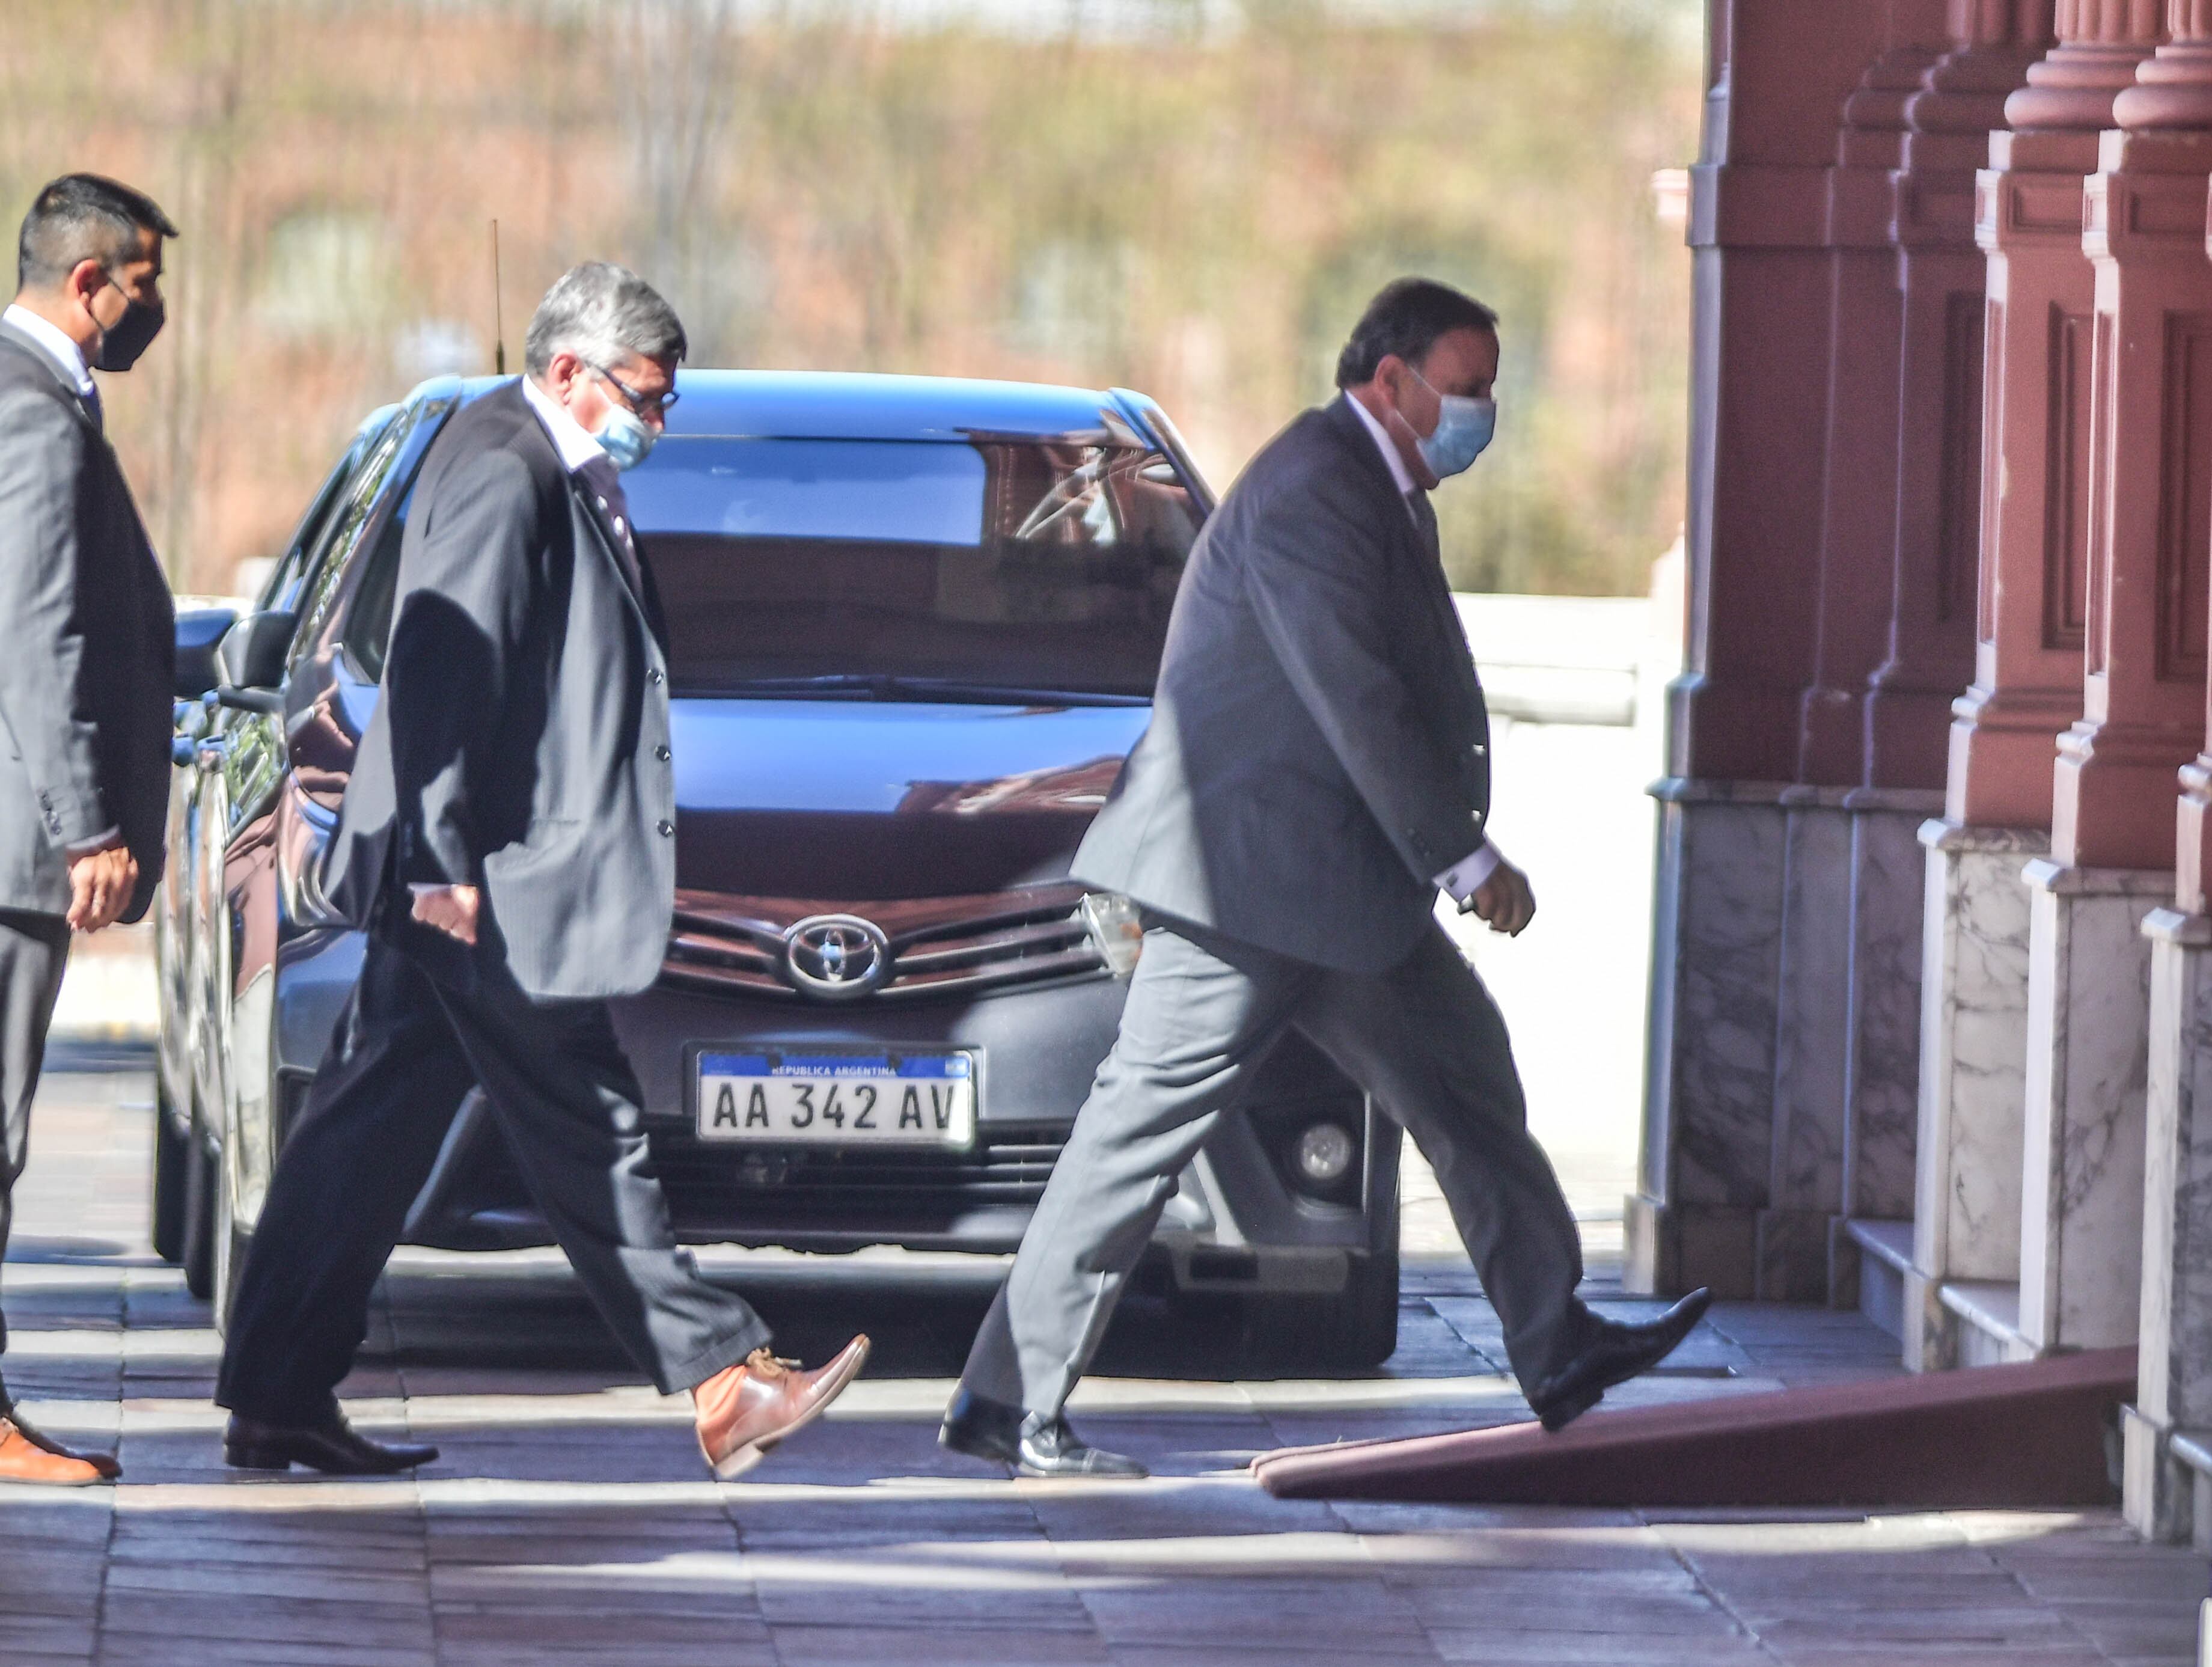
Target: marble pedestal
(1785, 1037)
(2081, 1203)
(1709, 1100)
(1973, 1070)
(2174, 1387)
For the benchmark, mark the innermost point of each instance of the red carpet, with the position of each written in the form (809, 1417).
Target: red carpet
(2011, 1435)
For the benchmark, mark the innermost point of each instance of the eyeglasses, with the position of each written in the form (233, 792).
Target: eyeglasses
(637, 402)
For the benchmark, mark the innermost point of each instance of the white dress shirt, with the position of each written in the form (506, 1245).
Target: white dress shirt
(50, 339)
(1464, 878)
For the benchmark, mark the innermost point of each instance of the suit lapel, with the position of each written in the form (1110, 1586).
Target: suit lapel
(15, 339)
(581, 513)
(1413, 544)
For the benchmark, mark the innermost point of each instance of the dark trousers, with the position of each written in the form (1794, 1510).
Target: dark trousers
(408, 1048)
(1425, 1038)
(33, 949)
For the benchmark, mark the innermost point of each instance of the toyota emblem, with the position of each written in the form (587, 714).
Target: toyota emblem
(837, 957)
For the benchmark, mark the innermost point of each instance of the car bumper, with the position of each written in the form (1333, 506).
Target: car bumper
(1236, 1222)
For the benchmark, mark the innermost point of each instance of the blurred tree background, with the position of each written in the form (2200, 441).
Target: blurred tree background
(1190, 196)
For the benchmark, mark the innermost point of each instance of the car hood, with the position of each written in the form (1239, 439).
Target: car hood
(882, 800)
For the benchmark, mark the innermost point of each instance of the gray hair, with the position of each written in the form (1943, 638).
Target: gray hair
(602, 314)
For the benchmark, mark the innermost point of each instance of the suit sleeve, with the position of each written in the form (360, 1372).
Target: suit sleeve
(466, 589)
(43, 697)
(1313, 572)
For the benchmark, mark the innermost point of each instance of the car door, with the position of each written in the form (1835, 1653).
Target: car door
(272, 772)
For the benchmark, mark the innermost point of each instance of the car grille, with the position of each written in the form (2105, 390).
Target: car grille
(955, 947)
(706, 1180)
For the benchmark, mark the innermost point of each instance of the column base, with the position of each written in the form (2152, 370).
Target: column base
(2081, 1208)
(1972, 1088)
(2168, 1472)
(1673, 1248)
(1709, 1129)
(2159, 1491)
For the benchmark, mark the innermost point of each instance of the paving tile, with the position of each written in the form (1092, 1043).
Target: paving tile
(863, 1646)
(569, 1522)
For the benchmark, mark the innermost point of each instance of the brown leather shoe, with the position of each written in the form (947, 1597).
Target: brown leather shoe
(745, 1411)
(23, 1460)
(107, 1463)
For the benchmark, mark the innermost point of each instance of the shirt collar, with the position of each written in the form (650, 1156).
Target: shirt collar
(1384, 444)
(577, 448)
(54, 345)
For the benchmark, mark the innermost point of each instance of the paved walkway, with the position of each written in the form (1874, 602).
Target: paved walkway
(569, 1521)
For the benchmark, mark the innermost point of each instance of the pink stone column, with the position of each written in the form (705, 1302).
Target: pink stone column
(2150, 449)
(2032, 595)
(1942, 275)
(1780, 72)
(2145, 226)
(1858, 527)
(2031, 606)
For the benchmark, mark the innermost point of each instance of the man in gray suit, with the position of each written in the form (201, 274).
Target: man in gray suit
(89, 670)
(507, 841)
(1316, 768)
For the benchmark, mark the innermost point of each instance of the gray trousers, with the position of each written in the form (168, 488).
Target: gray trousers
(410, 1046)
(33, 949)
(1424, 1039)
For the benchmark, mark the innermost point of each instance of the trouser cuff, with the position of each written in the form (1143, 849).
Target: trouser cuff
(720, 1358)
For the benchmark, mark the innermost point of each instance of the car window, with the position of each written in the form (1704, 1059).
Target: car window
(367, 624)
(1043, 565)
(398, 449)
(281, 590)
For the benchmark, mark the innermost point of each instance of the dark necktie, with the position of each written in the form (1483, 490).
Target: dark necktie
(603, 481)
(1424, 517)
(92, 408)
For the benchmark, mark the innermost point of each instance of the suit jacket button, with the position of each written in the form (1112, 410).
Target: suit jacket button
(654, 676)
(663, 754)
(667, 828)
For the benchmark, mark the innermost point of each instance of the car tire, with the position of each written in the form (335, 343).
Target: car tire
(201, 1180)
(172, 1151)
(230, 1243)
(1354, 1329)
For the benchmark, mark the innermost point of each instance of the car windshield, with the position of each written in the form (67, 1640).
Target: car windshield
(912, 569)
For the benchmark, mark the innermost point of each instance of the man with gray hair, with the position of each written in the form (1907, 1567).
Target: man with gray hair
(507, 842)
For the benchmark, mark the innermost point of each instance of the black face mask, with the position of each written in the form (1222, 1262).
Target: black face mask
(122, 342)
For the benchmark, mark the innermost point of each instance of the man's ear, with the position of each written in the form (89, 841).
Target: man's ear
(85, 280)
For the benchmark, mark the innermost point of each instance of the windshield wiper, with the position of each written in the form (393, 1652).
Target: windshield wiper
(883, 686)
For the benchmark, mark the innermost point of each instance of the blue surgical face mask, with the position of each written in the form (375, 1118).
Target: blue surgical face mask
(1465, 426)
(625, 438)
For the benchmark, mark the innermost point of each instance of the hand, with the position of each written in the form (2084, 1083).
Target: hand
(100, 884)
(451, 909)
(1503, 902)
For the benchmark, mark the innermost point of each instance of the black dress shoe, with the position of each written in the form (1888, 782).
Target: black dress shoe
(1034, 1444)
(334, 1447)
(1614, 1354)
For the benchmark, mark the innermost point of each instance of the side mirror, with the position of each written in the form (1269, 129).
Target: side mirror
(199, 630)
(251, 654)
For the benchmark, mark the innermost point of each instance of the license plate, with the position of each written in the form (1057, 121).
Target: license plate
(837, 1099)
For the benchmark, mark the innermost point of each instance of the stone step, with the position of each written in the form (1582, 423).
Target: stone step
(1885, 1258)
(2031, 1434)
(1989, 1314)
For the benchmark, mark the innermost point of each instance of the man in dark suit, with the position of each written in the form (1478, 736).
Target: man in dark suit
(1316, 768)
(507, 840)
(89, 670)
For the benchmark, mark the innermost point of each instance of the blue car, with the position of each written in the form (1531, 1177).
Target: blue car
(915, 625)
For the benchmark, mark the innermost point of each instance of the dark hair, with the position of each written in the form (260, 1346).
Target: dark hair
(80, 217)
(1405, 319)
